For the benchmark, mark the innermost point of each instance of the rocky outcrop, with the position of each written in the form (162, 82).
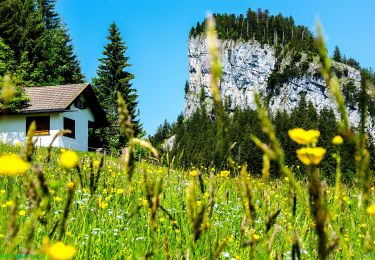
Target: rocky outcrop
(247, 67)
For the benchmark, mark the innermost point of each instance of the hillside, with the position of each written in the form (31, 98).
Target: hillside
(272, 60)
(169, 213)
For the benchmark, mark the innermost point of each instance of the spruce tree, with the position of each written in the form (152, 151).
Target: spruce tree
(50, 17)
(337, 55)
(112, 77)
(41, 45)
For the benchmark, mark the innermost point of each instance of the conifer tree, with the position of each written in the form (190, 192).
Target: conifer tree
(42, 48)
(112, 77)
(337, 55)
(50, 17)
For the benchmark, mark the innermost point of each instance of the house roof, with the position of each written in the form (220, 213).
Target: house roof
(52, 98)
(59, 98)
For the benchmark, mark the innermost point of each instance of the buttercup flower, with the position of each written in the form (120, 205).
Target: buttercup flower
(69, 160)
(13, 165)
(311, 155)
(337, 140)
(304, 137)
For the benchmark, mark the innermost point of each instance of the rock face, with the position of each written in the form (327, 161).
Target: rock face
(246, 67)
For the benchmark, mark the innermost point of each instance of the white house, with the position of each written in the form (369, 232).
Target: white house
(53, 108)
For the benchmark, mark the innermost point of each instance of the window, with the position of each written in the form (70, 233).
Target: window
(41, 123)
(70, 124)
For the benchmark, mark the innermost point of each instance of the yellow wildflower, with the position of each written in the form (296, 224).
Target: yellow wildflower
(96, 163)
(193, 173)
(9, 203)
(120, 191)
(58, 251)
(144, 203)
(304, 137)
(58, 199)
(311, 156)
(102, 204)
(337, 140)
(70, 184)
(371, 210)
(224, 174)
(69, 160)
(22, 212)
(255, 237)
(13, 165)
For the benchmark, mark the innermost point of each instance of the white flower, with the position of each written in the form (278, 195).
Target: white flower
(226, 254)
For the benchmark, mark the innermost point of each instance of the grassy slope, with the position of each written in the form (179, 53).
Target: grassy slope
(109, 232)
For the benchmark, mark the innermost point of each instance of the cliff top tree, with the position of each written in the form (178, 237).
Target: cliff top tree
(112, 77)
(337, 55)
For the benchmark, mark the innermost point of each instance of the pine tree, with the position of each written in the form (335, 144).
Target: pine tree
(42, 48)
(112, 77)
(337, 55)
(50, 17)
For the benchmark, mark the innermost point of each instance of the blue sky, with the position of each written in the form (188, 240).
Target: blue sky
(156, 34)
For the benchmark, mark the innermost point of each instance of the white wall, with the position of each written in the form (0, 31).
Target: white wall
(81, 118)
(13, 129)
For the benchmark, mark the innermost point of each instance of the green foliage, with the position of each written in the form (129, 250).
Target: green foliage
(259, 25)
(113, 77)
(195, 138)
(17, 99)
(42, 49)
(163, 132)
(6, 56)
(337, 55)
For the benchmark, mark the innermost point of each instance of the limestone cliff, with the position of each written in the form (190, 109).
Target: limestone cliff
(247, 66)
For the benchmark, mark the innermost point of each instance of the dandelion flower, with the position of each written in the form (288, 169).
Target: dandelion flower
(69, 160)
(304, 137)
(70, 184)
(22, 213)
(337, 140)
(13, 165)
(311, 156)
